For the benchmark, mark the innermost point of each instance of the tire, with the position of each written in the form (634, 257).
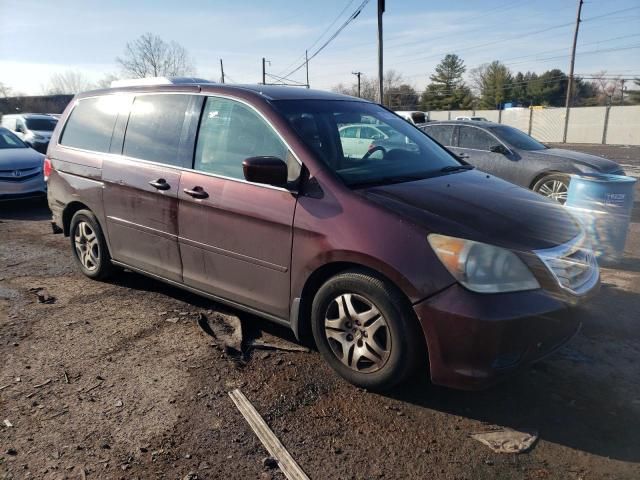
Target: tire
(386, 346)
(89, 247)
(554, 186)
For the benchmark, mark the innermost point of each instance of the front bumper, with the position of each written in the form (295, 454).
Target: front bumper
(475, 339)
(32, 187)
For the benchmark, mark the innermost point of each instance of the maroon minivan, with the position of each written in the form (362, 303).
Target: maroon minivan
(393, 256)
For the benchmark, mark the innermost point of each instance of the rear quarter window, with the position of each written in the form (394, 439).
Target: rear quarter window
(441, 133)
(90, 124)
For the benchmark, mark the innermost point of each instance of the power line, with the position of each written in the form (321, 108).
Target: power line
(351, 18)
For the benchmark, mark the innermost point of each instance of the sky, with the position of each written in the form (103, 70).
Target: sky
(40, 38)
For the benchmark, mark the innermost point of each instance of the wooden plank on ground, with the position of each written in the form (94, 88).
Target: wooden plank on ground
(287, 464)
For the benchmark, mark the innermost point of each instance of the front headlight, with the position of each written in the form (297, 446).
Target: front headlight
(481, 267)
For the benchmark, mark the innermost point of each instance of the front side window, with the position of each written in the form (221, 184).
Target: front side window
(471, 137)
(517, 138)
(370, 133)
(154, 128)
(406, 154)
(90, 124)
(441, 133)
(349, 132)
(231, 132)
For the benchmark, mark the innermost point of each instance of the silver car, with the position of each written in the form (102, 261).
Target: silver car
(34, 129)
(21, 168)
(512, 155)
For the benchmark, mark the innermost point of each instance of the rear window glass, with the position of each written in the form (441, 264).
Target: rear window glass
(154, 128)
(90, 124)
(41, 124)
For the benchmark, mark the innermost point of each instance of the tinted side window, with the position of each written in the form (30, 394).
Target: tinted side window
(154, 128)
(90, 124)
(441, 133)
(229, 133)
(471, 137)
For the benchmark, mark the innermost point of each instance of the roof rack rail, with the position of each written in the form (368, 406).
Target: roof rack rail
(139, 82)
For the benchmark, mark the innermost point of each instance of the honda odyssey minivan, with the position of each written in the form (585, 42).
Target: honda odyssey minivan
(390, 260)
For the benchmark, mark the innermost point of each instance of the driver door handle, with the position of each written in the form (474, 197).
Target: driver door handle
(196, 192)
(160, 184)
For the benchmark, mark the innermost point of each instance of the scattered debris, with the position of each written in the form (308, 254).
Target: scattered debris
(507, 440)
(284, 459)
(280, 345)
(42, 384)
(55, 415)
(226, 329)
(269, 462)
(5, 386)
(43, 295)
(119, 403)
(66, 377)
(7, 423)
(12, 451)
(172, 320)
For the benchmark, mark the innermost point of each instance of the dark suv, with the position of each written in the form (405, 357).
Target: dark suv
(243, 194)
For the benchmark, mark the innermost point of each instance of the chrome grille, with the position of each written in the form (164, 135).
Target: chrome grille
(19, 175)
(572, 264)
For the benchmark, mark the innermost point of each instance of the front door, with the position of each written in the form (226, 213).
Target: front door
(141, 186)
(474, 146)
(235, 236)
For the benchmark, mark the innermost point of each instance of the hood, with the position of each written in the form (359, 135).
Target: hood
(593, 161)
(479, 207)
(19, 158)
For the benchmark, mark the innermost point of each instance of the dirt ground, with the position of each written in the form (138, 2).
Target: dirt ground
(99, 384)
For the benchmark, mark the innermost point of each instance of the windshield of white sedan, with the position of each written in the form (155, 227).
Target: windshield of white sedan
(364, 144)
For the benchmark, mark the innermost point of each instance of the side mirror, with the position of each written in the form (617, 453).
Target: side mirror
(19, 129)
(499, 149)
(267, 170)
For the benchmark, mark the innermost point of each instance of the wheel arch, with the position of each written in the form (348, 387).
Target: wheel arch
(546, 173)
(69, 211)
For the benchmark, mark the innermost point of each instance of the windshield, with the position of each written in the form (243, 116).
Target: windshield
(338, 132)
(41, 124)
(517, 138)
(9, 140)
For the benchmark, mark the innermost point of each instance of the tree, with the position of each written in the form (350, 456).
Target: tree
(105, 81)
(494, 82)
(5, 90)
(634, 95)
(150, 56)
(447, 89)
(391, 81)
(68, 82)
(402, 97)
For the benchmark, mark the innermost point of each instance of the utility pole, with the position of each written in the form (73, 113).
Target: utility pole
(380, 87)
(622, 91)
(221, 71)
(264, 73)
(357, 74)
(306, 63)
(573, 62)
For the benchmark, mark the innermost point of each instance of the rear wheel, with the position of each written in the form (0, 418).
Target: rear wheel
(555, 186)
(89, 246)
(366, 331)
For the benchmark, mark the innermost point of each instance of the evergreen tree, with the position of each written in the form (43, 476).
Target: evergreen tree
(495, 85)
(447, 89)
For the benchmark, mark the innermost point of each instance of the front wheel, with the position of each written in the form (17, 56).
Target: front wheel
(555, 186)
(89, 246)
(366, 331)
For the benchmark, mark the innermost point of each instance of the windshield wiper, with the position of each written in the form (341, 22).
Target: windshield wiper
(455, 168)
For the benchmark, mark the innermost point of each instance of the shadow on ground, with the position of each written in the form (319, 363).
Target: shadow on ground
(26, 209)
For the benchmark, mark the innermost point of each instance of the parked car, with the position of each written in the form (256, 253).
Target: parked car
(33, 128)
(20, 168)
(511, 154)
(360, 139)
(243, 194)
(474, 119)
(414, 117)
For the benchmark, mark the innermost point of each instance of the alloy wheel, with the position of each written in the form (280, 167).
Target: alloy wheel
(554, 189)
(87, 246)
(357, 333)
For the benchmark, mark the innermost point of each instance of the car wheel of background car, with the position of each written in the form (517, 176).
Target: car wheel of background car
(89, 247)
(366, 330)
(554, 186)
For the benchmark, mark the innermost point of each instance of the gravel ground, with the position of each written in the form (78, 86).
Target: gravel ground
(99, 384)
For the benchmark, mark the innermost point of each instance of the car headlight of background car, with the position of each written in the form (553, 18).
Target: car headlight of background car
(481, 267)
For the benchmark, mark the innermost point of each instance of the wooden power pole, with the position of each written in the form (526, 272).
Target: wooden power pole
(571, 66)
(264, 73)
(221, 71)
(380, 12)
(306, 64)
(357, 74)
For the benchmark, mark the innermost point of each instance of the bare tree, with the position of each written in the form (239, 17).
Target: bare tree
(69, 82)
(150, 56)
(391, 80)
(5, 90)
(105, 82)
